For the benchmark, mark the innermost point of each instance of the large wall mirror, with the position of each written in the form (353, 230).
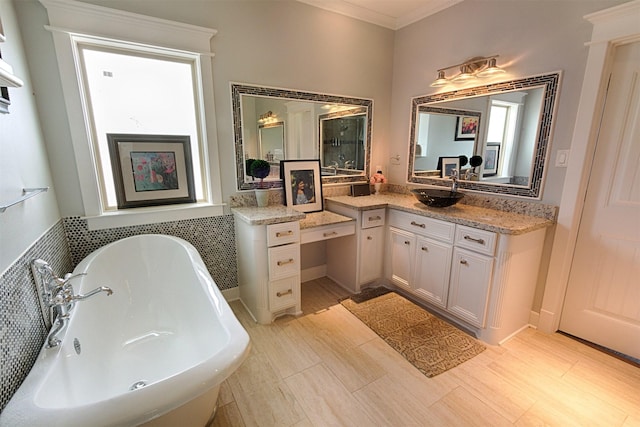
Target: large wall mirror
(280, 124)
(508, 125)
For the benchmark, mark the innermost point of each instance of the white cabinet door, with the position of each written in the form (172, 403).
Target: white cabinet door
(371, 254)
(401, 245)
(431, 273)
(469, 286)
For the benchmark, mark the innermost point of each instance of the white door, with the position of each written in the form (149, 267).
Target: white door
(602, 304)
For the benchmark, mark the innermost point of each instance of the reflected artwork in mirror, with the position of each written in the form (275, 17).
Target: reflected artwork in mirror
(507, 124)
(333, 129)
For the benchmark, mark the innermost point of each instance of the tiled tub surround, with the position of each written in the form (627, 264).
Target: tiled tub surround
(22, 330)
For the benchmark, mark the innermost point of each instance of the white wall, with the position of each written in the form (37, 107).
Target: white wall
(23, 158)
(276, 43)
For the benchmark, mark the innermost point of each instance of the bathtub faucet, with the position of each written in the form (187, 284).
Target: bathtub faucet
(58, 295)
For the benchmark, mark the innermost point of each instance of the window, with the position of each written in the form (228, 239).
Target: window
(130, 90)
(141, 75)
(502, 131)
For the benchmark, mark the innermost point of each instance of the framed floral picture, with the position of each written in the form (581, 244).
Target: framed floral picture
(302, 184)
(467, 127)
(151, 170)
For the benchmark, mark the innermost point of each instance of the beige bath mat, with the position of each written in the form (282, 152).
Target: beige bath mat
(429, 343)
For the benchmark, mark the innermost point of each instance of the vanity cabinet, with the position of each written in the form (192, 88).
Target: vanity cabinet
(444, 264)
(357, 260)
(420, 253)
(269, 269)
(481, 279)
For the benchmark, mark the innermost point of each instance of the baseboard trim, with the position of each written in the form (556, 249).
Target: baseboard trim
(313, 273)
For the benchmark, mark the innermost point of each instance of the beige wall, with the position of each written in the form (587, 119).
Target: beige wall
(276, 43)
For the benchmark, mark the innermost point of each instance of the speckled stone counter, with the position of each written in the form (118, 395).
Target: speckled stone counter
(473, 216)
(319, 219)
(268, 215)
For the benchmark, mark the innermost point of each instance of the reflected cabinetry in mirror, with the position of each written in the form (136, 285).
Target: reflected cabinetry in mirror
(508, 124)
(334, 129)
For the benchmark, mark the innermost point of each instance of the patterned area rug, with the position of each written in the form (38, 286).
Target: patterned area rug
(429, 343)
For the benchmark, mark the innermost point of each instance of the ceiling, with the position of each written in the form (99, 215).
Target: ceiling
(393, 14)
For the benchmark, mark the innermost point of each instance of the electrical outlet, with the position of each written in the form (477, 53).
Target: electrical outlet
(562, 158)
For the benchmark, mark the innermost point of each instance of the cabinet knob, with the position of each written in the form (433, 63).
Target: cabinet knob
(464, 262)
(418, 225)
(281, 294)
(369, 238)
(425, 249)
(289, 261)
(406, 242)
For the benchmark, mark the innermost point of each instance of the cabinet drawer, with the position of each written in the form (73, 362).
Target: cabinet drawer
(282, 293)
(481, 241)
(284, 261)
(373, 218)
(422, 225)
(281, 234)
(327, 232)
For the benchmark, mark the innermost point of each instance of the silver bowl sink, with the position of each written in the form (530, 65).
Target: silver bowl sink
(437, 198)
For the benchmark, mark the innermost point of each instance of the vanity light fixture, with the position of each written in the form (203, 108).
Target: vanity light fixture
(267, 118)
(479, 66)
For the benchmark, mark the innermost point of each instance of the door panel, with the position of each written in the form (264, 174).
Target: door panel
(602, 303)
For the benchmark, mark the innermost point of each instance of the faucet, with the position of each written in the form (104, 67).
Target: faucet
(454, 180)
(58, 296)
(349, 164)
(62, 302)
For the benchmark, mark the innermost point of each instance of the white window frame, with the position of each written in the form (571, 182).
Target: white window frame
(69, 20)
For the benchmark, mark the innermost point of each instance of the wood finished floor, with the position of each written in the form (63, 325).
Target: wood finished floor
(327, 368)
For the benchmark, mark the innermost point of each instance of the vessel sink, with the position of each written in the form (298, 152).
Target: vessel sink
(437, 198)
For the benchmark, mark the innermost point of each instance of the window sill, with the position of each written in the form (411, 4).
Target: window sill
(152, 215)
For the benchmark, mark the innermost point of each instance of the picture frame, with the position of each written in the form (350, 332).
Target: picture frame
(491, 159)
(151, 170)
(302, 185)
(467, 127)
(449, 163)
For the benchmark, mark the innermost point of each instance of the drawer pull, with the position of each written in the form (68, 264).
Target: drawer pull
(480, 241)
(418, 225)
(284, 233)
(375, 218)
(406, 242)
(331, 233)
(464, 262)
(289, 261)
(425, 249)
(281, 294)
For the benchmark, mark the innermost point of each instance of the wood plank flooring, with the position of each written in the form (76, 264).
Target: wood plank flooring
(327, 368)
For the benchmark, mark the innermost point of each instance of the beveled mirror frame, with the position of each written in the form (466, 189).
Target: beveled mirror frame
(550, 82)
(239, 89)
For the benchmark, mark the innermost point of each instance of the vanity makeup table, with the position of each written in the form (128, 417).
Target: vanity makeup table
(268, 250)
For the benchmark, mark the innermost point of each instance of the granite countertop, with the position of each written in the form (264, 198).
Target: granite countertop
(473, 216)
(274, 214)
(318, 219)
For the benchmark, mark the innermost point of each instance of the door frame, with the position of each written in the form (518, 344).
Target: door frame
(611, 28)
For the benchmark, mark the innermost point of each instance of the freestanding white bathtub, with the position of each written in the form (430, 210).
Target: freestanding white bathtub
(155, 351)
